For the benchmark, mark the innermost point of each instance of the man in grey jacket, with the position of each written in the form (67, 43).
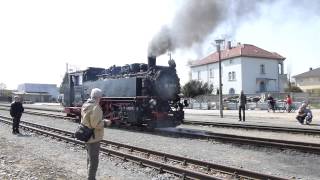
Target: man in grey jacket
(242, 106)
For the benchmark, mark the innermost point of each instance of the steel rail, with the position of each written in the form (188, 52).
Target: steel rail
(160, 166)
(35, 108)
(301, 146)
(310, 131)
(184, 173)
(44, 114)
(296, 145)
(255, 127)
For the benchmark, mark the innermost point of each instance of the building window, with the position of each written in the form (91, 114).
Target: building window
(232, 76)
(211, 73)
(75, 80)
(199, 75)
(262, 69)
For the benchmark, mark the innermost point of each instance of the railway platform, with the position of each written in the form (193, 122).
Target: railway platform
(254, 117)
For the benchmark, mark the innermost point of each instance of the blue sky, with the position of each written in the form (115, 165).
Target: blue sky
(38, 37)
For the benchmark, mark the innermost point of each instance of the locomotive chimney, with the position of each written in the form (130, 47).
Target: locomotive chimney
(152, 61)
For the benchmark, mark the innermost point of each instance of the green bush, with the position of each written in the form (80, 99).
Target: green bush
(194, 88)
(293, 89)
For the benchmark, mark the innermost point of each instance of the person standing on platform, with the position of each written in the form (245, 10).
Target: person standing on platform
(271, 103)
(242, 106)
(288, 103)
(16, 110)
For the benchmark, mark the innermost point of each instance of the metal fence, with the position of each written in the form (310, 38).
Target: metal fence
(212, 101)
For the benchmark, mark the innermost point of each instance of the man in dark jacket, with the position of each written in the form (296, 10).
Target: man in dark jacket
(16, 111)
(242, 105)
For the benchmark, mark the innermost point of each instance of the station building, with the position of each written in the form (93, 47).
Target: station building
(244, 67)
(31, 92)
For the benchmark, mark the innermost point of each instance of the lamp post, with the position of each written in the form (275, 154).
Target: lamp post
(218, 43)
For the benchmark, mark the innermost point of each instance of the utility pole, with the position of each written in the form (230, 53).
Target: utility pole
(218, 43)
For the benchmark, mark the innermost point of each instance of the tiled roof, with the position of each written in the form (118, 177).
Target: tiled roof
(310, 73)
(241, 50)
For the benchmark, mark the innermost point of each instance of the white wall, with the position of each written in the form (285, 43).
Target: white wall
(251, 71)
(230, 65)
(247, 71)
(227, 66)
(203, 73)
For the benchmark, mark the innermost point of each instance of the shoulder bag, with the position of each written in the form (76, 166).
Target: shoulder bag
(84, 133)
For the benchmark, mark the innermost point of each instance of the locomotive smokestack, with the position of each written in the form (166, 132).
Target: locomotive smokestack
(152, 61)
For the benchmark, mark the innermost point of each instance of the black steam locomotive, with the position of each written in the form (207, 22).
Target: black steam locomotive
(136, 94)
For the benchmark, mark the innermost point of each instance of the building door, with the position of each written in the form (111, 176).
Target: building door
(262, 86)
(231, 91)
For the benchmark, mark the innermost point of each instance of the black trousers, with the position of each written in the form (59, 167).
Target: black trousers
(244, 113)
(15, 124)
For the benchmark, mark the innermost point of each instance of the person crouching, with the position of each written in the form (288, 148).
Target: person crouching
(304, 113)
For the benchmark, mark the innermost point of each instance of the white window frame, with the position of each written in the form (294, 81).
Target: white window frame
(230, 76)
(211, 73)
(233, 75)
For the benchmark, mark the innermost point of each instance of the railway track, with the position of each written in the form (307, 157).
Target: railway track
(202, 123)
(256, 141)
(201, 134)
(35, 108)
(62, 116)
(255, 127)
(185, 168)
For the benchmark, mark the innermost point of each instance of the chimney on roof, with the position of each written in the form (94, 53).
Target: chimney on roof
(310, 68)
(228, 45)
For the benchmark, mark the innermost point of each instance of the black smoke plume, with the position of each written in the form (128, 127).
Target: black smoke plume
(195, 20)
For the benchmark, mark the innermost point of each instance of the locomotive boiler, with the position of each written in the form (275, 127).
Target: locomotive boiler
(135, 94)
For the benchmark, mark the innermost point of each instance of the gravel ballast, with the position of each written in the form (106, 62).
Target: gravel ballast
(276, 162)
(30, 156)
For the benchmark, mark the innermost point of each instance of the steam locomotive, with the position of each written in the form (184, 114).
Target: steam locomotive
(135, 94)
